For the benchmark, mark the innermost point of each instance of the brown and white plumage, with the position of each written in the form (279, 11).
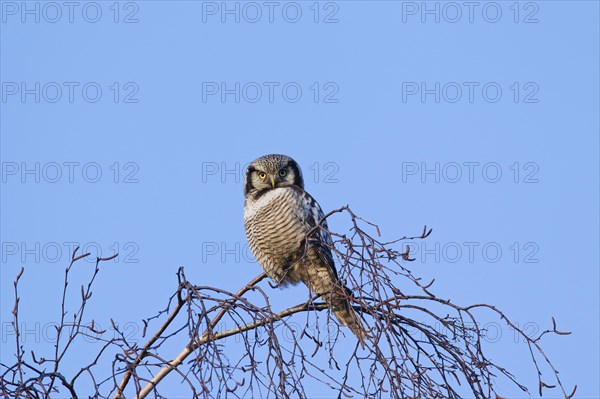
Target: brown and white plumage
(278, 215)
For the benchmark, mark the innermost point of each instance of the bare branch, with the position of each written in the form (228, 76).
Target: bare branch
(237, 344)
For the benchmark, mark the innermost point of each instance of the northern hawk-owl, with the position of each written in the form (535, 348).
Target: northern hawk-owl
(278, 215)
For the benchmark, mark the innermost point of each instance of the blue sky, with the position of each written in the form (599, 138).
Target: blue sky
(126, 128)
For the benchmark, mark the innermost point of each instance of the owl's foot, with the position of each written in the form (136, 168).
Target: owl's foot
(277, 285)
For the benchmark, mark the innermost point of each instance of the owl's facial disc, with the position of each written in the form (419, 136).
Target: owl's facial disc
(272, 171)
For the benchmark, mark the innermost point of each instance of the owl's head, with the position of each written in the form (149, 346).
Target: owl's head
(272, 171)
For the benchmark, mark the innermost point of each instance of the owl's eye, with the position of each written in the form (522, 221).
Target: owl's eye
(282, 172)
(262, 175)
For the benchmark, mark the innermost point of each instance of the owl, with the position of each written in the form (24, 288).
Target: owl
(278, 215)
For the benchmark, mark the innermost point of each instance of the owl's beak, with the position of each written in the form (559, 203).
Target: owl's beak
(273, 181)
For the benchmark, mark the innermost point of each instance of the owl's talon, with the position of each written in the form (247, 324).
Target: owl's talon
(274, 286)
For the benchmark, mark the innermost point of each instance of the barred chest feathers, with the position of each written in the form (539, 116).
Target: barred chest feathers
(276, 225)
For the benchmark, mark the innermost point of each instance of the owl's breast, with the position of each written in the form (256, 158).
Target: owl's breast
(275, 228)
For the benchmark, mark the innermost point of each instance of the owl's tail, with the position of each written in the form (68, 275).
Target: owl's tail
(320, 277)
(345, 313)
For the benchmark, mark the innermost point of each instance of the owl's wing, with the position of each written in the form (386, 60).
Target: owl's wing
(321, 239)
(328, 283)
